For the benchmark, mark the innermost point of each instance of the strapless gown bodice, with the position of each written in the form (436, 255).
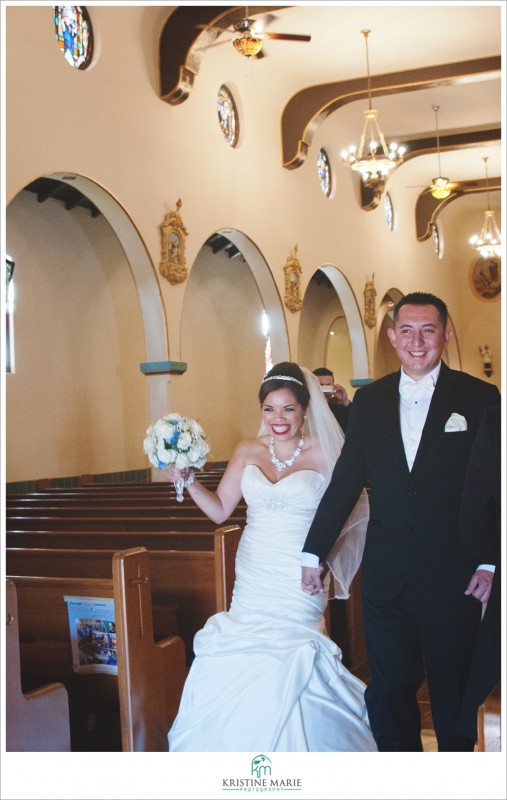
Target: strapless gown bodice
(266, 677)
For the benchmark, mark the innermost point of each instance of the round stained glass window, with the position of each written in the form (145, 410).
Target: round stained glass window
(73, 31)
(324, 172)
(228, 116)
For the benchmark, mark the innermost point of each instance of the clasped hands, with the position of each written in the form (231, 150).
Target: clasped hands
(480, 585)
(311, 579)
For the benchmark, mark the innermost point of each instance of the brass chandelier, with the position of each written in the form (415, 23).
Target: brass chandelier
(373, 160)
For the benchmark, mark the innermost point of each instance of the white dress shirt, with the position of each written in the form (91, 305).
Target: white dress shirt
(413, 413)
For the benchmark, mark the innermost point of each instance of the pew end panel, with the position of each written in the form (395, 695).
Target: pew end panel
(150, 678)
(38, 720)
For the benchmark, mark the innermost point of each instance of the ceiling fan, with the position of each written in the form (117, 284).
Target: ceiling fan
(249, 35)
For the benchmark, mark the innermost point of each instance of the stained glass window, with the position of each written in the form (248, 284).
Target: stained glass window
(324, 171)
(388, 211)
(228, 116)
(73, 31)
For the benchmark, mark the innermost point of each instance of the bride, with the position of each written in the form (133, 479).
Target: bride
(266, 677)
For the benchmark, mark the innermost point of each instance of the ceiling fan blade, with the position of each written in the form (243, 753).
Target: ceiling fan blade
(289, 37)
(267, 19)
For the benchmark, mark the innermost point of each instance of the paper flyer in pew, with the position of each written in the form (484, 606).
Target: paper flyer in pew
(92, 634)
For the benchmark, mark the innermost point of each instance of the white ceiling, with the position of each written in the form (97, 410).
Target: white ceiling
(403, 35)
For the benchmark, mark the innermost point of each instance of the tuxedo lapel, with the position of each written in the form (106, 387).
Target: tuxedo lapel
(437, 414)
(391, 413)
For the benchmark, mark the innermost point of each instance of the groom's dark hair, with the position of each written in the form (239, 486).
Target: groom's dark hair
(422, 299)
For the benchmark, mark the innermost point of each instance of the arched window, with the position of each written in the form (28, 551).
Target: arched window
(267, 341)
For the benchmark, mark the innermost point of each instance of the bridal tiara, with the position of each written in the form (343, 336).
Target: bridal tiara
(282, 378)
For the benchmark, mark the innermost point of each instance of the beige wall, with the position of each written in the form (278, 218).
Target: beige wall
(109, 125)
(76, 401)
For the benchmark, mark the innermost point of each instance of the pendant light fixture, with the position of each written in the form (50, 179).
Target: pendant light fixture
(440, 187)
(489, 242)
(373, 159)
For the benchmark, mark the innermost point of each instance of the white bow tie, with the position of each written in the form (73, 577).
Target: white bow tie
(421, 390)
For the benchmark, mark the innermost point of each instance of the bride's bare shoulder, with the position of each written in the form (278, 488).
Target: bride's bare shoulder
(248, 447)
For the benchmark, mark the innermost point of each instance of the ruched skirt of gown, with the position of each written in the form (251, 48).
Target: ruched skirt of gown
(266, 677)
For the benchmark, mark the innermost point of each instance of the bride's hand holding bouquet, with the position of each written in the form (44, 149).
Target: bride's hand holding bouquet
(179, 445)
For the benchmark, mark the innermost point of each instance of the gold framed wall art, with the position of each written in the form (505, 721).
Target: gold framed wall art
(293, 272)
(173, 263)
(485, 278)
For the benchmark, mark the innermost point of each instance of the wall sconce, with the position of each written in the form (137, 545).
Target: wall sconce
(487, 359)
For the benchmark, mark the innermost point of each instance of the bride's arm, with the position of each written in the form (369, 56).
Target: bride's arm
(219, 505)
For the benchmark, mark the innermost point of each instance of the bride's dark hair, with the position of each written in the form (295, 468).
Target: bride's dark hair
(286, 375)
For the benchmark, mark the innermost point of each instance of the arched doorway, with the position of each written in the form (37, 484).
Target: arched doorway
(229, 287)
(331, 332)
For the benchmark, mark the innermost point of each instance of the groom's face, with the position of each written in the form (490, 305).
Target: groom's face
(419, 338)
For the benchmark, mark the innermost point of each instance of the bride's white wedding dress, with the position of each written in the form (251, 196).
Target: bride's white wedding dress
(266, 677)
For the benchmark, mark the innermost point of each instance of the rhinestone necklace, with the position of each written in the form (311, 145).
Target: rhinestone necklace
(289, 462)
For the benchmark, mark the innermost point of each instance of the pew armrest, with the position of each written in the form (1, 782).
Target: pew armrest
(489, 722)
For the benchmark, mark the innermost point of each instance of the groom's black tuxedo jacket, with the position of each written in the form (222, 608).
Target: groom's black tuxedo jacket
(413, 531)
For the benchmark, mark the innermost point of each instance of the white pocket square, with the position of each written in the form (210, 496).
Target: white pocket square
(455, 423)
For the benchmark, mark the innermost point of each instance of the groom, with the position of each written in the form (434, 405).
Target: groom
(408, 438)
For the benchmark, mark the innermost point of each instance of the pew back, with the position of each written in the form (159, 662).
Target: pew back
(194, 572)
(150, 674)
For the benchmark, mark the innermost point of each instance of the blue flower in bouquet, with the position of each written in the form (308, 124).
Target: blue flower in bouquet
(177, 440)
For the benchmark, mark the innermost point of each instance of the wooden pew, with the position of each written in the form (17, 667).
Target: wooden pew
(489, 728)
(38, 720)
(173, 584)
(198, 580)
(64, 508)
(117, 540)
(150, 674)
(114, 523)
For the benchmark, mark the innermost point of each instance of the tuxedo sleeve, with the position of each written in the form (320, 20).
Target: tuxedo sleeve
(480, 503)
(347, 481)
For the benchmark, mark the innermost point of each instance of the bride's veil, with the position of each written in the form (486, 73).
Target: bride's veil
(345, 556)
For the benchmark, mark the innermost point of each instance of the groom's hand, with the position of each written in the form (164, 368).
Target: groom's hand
(311, 582)
(480, 585)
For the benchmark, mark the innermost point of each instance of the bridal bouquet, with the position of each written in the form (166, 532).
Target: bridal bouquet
(177, 440)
